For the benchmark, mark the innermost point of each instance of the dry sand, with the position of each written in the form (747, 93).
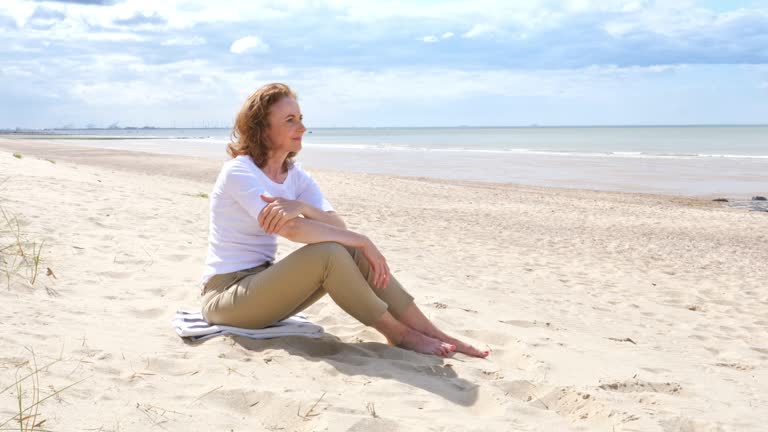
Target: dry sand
(604, 311)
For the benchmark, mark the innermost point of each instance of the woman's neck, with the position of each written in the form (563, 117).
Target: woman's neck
(274, 169)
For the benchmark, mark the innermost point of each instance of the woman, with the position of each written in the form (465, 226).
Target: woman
(261, 194)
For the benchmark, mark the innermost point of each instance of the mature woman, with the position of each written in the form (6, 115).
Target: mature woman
(260, 194)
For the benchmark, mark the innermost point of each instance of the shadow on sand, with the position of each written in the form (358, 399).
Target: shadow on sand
(374, 359)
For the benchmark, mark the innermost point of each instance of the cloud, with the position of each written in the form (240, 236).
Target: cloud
(522, 49)
(141, 19)
(83, 2)
(7, 22)
(675, 21)
(480, 30)
(44, 13)
(248, 44)
(184, 41)
(15, 70)
(103, 88)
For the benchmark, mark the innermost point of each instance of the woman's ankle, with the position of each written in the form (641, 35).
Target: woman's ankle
(391, 328)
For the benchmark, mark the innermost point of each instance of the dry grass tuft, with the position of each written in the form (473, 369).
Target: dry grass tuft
(20, 257)
(28, 417)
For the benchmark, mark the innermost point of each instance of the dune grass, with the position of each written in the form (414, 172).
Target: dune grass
(18, 255)
(27, 416)
(18, 155)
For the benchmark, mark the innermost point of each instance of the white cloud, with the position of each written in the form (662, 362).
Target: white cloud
(249, 44)
(480, 30)
(678, 19)
(430, 39)
(280, 71)
(15, 70)
(18, 10)
(447, 35)
(102, 89)
(185, 41)
(183, 82)
(64, 34)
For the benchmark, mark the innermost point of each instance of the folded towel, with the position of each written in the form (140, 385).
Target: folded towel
(192, 326)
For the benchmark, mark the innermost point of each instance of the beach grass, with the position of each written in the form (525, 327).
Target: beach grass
(28, 417)
(18, 155)
(17, 254)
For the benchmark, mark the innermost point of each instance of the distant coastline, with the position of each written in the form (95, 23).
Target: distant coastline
(19, 130)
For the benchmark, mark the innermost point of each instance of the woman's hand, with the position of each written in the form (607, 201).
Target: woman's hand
(377, 262)
(278, 212)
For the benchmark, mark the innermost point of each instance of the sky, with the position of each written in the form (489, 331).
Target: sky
(366, 63)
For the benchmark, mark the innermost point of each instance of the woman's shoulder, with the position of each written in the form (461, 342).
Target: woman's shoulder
(238, 164)
(240, 160)
(239, 170)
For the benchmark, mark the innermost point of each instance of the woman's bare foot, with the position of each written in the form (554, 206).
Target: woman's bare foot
(421, 343)
(401, 335)
(462, 347)
(415, 319)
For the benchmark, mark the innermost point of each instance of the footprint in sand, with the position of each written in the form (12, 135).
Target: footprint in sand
(669, 388)
(529, 324)
(735, 365)
(115, 274)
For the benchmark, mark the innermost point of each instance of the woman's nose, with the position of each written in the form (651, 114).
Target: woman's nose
(302, 128)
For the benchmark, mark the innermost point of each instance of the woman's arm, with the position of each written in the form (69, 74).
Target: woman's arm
(326, 217)
(308, 231)
(280, 210)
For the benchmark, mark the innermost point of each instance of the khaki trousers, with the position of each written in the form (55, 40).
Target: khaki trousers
(257, 297)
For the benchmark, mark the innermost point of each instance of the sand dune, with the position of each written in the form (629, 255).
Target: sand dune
(604, 311)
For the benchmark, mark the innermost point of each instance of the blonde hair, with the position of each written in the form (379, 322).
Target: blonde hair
(249, 133)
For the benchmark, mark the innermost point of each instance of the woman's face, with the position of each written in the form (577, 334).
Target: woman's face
(285, 126)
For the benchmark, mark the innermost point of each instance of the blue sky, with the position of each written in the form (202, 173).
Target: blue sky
(385, 63)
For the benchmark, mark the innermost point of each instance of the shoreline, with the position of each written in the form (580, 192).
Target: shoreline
(178, 165)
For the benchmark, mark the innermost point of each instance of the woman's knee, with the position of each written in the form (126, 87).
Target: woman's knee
(327, 249)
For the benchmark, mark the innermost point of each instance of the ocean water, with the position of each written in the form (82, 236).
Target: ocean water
(677, 160)
(647, 141)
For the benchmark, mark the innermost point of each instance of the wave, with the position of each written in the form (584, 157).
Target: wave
(528, 151)
(491, 149)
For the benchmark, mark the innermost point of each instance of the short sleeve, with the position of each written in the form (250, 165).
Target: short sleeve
(245, 188)
(309, 192)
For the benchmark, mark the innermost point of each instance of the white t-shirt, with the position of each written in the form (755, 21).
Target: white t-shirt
(235, 239)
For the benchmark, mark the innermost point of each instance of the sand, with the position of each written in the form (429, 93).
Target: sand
(604, 311)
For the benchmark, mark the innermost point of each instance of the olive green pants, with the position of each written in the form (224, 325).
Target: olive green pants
(257, 297)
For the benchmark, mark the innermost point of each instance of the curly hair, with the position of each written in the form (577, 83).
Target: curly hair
(249, 133)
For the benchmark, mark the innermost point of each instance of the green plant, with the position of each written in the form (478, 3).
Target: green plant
(18, 155)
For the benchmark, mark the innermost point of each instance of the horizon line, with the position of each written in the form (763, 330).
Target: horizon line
(528, 126)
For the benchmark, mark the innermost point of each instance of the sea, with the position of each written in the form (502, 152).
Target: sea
(707, 161)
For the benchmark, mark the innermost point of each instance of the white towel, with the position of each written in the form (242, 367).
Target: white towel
(191, 325)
